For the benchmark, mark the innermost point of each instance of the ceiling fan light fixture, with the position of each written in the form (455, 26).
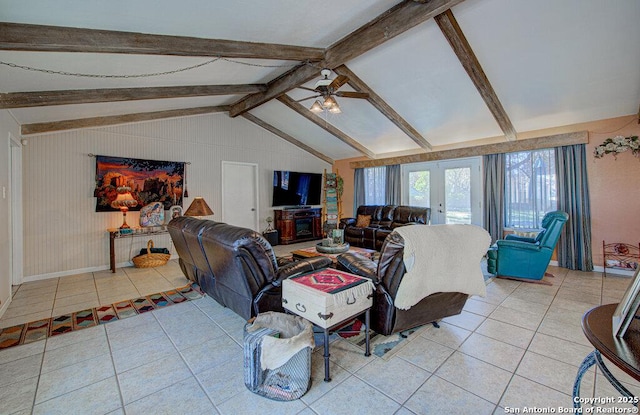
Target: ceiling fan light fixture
(335, 109)
(329, 102)
(316, 107)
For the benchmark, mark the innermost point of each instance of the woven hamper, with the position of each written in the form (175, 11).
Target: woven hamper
(150, 260)
(290, 380)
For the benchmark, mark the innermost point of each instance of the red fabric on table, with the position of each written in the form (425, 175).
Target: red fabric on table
(329, 280)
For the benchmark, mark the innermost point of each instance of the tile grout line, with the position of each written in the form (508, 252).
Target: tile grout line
(44, 352)
(529, 345)
(193, 374)
(513, 374)
(113, 363)
(35, 393)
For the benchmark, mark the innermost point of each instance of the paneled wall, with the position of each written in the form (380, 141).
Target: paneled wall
(62, 232)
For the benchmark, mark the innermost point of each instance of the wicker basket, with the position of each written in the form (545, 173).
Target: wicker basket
(150, 260)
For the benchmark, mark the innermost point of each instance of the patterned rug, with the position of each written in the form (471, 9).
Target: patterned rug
(54, 326)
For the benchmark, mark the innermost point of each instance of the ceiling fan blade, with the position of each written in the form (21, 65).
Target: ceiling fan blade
(311, 97)
(307, 89)
(338, 82)
(350, 94)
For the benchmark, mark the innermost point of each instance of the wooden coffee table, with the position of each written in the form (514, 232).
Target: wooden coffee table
(311, 252)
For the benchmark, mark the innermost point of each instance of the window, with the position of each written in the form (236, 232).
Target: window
(530, 187)
(374, 185)
(420, 188)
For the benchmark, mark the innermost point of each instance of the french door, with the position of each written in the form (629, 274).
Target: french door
(452, 189)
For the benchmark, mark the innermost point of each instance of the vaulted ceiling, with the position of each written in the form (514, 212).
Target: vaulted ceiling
(439, 73)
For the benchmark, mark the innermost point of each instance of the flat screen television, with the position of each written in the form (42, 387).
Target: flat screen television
(291, 188)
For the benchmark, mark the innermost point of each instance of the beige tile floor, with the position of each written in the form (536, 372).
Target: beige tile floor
(519, 346)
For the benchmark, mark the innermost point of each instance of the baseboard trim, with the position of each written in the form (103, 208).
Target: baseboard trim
(5, 305)
(618, 272)
(59, 274)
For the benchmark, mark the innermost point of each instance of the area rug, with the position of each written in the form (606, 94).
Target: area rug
(54, 326)
(381, 346)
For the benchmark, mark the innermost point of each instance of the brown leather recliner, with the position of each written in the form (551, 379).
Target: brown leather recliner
(384, 219)
(235, 266)
(387, 275)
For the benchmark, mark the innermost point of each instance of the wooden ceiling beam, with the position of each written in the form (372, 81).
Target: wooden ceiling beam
(388, 25)
(304, 111)
(536, 143)
(86, 96)
(451, 30)
(48, 127)
(286, 137)
(382, 106)
(28, 37)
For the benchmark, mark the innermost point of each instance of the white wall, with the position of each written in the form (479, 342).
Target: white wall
(7, 125)
(62, 232)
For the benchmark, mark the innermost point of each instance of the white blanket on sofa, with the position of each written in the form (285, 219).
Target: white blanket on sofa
(441, 258)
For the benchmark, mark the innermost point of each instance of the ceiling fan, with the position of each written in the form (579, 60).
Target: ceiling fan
(327, 89)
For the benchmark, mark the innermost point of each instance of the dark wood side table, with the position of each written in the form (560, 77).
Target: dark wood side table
(624, 353)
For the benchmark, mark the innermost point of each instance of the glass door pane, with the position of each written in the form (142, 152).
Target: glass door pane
(451, 188)
(419, 188)
(457, 193)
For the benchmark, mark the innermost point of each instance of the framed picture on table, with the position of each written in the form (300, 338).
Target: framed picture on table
(175, 212)
(627, 308)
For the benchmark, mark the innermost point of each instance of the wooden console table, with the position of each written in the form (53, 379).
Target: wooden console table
(115, 234)
(623, 352)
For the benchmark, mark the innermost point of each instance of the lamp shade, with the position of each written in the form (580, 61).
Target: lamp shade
(329, 102)
(317, 107)
(198, 208)
(124, 201)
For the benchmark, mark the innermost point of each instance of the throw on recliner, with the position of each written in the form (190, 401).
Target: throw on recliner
(528, 258)
(450, 278)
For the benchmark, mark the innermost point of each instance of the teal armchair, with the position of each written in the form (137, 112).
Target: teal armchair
(527, 258)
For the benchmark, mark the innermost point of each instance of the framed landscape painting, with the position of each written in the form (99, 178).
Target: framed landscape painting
(149, 181)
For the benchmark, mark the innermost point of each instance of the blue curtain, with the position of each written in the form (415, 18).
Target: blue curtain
(494, 172)
(574, 247)
(392, 185)
(358, 190)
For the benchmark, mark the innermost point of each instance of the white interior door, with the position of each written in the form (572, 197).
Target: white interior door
(452, 189)
(15, 210)
(240, 194)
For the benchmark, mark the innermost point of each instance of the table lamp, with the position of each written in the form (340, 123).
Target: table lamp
(198, 208)
(124, 201)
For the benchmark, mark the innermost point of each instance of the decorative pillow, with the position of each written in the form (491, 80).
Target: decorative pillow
(363, 221)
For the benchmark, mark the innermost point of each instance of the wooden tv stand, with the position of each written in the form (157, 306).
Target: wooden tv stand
(298, 224)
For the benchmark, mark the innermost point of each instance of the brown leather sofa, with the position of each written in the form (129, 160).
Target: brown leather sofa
(384, 219)
(387, 274)
(235, 266)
